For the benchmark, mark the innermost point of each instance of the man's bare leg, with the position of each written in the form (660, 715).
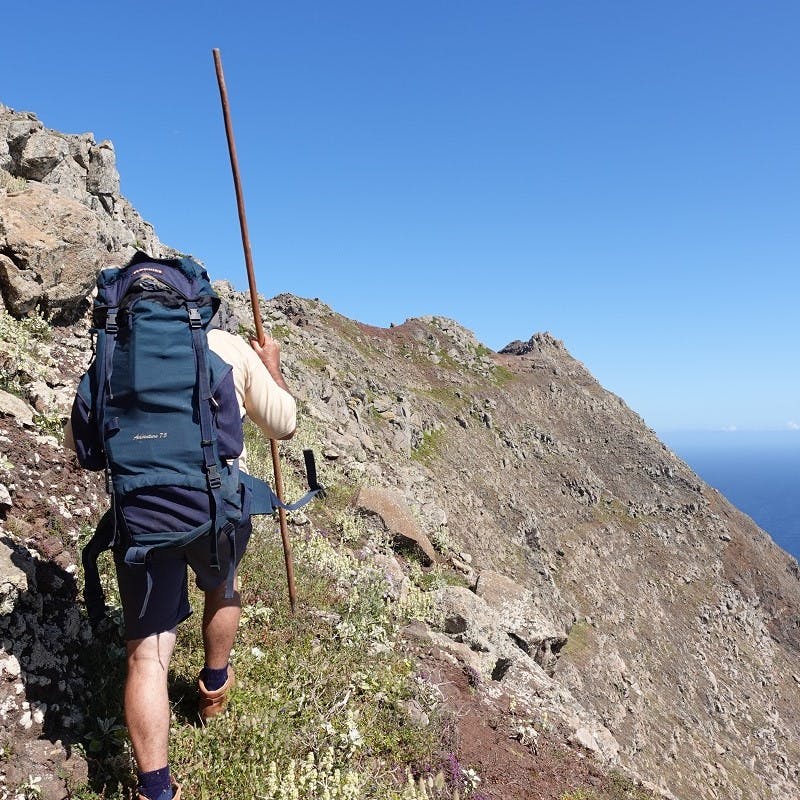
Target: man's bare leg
(146, 700)
(220, 623)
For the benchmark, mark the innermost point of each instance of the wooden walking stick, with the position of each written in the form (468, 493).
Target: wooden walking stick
(251, 280)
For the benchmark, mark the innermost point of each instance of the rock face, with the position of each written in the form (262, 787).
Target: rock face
(604, 588)
(61, 216)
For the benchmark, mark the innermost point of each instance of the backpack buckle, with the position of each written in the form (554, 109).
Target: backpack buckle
(111, 322)
(214, 479)
(195, 321)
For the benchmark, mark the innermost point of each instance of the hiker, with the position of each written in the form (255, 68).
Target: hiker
(155, 598)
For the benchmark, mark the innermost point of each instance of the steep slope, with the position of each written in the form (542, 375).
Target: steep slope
(666, 613)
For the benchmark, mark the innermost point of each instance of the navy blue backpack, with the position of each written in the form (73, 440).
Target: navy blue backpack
(157, 410)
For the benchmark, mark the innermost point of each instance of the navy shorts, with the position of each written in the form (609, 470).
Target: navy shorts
(168, 604)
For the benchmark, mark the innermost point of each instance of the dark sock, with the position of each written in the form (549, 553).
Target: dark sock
(214, 678)
(156, 785)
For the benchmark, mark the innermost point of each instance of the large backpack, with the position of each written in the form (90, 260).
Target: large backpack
(157, 410)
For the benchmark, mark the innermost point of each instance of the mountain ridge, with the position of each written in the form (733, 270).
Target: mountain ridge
(607, 590)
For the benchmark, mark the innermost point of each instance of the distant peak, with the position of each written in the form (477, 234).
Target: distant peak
(537, 343)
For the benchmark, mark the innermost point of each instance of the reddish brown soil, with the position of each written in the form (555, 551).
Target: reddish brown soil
(483, 738)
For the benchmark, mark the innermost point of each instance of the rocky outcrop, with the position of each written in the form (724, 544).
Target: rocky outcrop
(499, 634)
(61, 216)
(15, 408)
(390, 509)
(538, 343)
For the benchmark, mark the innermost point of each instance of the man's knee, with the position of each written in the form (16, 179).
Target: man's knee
(216, 597)
(151, 654)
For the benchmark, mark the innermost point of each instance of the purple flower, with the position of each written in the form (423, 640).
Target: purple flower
(454, 772)
(473, 676)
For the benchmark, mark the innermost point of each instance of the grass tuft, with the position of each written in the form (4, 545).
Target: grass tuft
(429, 447)
(11, 183)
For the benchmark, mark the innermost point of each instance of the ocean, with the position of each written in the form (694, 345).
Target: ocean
(758, 471)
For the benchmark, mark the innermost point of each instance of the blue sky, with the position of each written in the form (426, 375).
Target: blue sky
(625, 175)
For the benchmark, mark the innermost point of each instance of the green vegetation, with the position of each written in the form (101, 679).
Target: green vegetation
(436, 577)
(610, 509)
(11, 183)
(50, 423)
(314, 362)
(621, 788)
(446, 395)
(280, 332)
(350, 331)
(246, 331)
(440, 539)
(25, 358)
(24, 354)
(430, 446)
(578, 640)
(502, 376)
(303, 686)
(446, 360)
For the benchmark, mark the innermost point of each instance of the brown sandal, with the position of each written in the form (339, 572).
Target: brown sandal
(213, 703)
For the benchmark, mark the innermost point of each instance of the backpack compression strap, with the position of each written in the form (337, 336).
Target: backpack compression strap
(111, 339)
(264, 501)
(106, 342)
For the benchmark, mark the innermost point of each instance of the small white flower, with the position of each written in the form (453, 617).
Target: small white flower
(471, 777)
(527, 735)
(355, 737)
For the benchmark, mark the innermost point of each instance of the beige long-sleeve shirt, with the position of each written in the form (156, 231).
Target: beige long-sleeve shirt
(269, 406)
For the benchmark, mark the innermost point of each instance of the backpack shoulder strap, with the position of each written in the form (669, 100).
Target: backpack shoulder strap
(93, 590)
(211, 459)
